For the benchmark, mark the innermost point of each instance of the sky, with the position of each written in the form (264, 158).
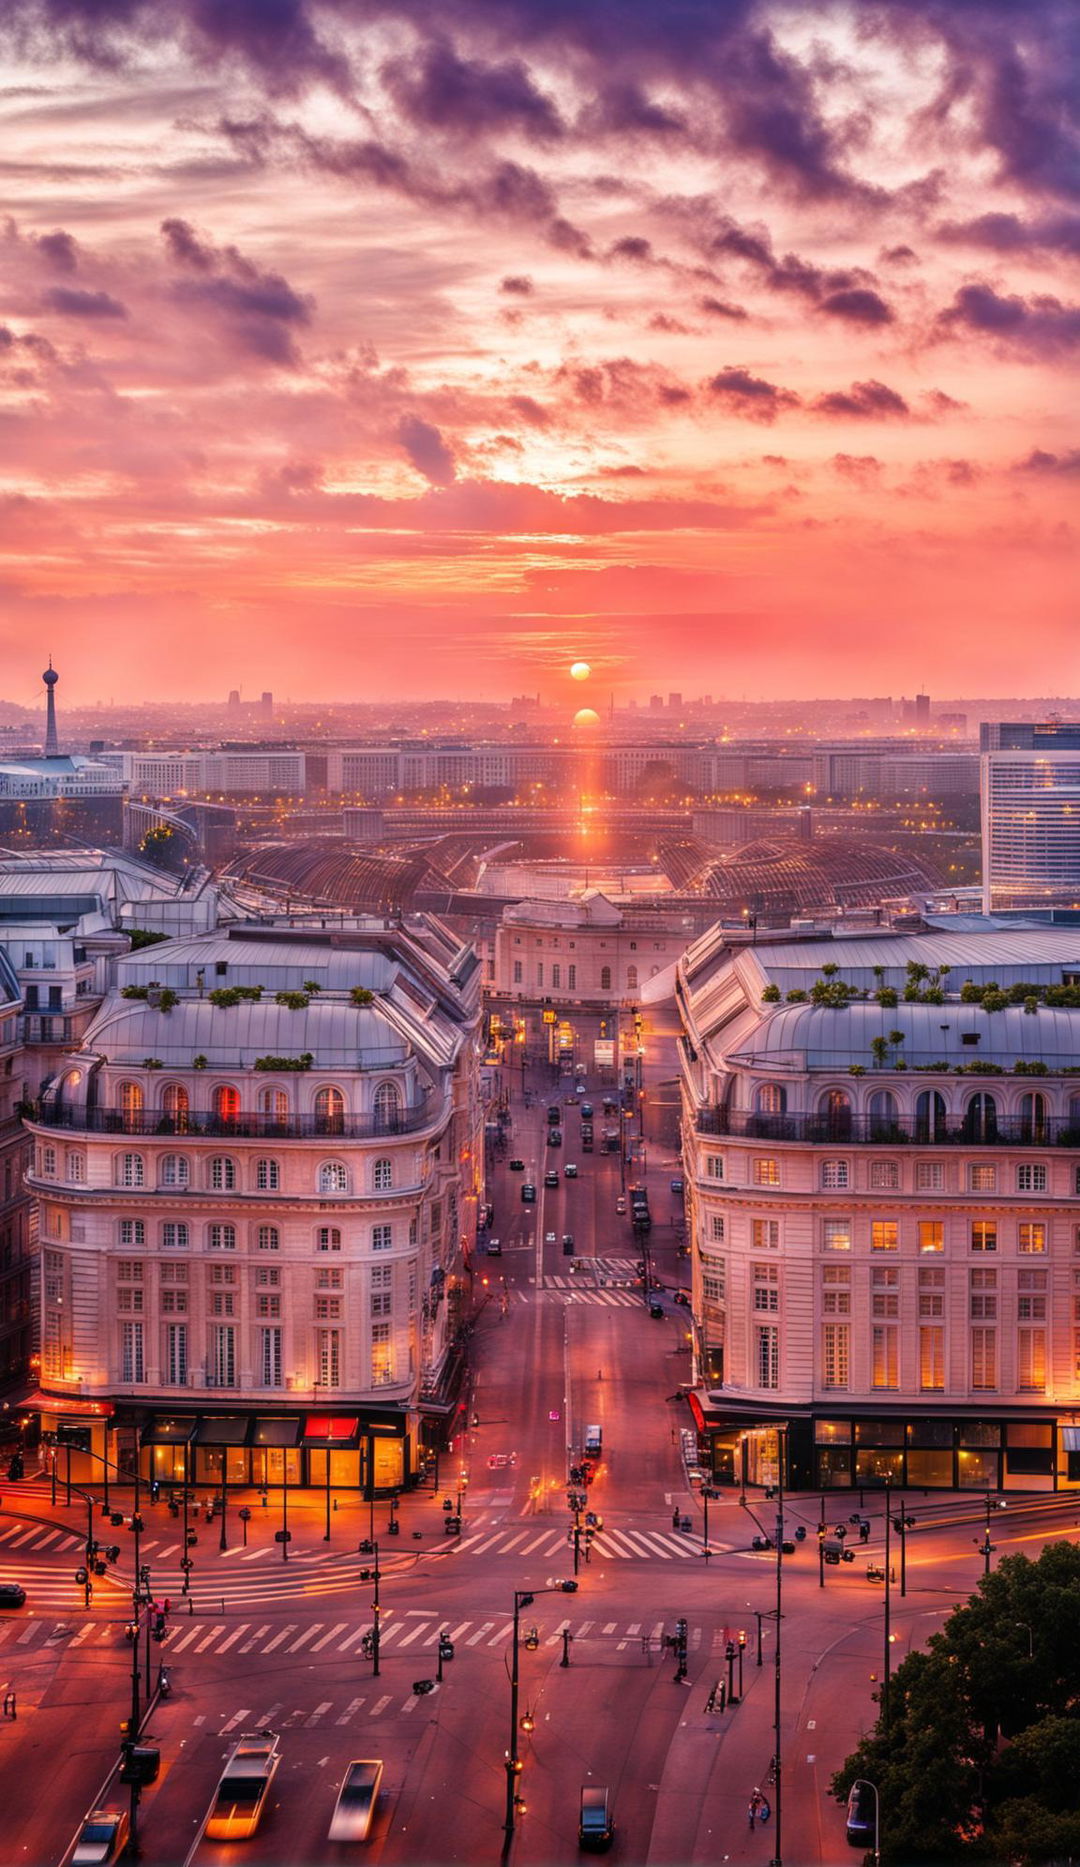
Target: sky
(367, 350)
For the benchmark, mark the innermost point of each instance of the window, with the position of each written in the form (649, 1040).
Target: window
(129, 1270)
(768, 1355)
(984, 1358)
(132, 1365)
(836, 1234)
(770, 1099)
(571, 978)
(221, 1238)
(174, 1302)
(176, 1360)
(984, 1235)
(174, 1235)
(268, 1276)
(1030, 1305)
(931, 1235)
(329, 1111)
(884, 1175)
(982, 1296)
(328, 1279)
(834, 1113)
(267, 1238)
(175, 1108)
(383, 1175)
(834, 1173)
(222, 1303)
(712, 1279)
(517, 972)
(328, 1238)
(631, 979)
(1031, 1179)
(929, 1176)
(980, 1119)
(605, 978)
(1031, 1360)
(227, 1104)
(1031, 1238)
(273, 1107)
(765, 1234)
(328, 1309)
(75, 1166)
(328, 1357)
(1033, 1117)
(175, 1170)
(885, 1303)
(174, 1273)
(714, 1166)
(836, 1290)
(47, 1157)
(267, 1176)
(931, 1359)
(766, 1172)
(382, 1237)
(884, 1235)
(333, 1177)
(268, 1303)
(381, 1302)
(222, 1174)
(130, 1300)
(221, 1274)
(835, 1354)
(387, 1108)
(885, 1361)
(539, 972)
(132, 1232)
(382, 1277)
(931, 1293)
(930, 1116)
(269, 1354)
(130, 1098)
(130, 1169)
(884, 1116)
(382, 1355)
(982, 1179)
(222, 1368)
(716, 1228)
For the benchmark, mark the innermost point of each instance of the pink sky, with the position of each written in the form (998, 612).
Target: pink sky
(378, 350)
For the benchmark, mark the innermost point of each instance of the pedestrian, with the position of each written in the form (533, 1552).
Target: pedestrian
(752, 1808)
(675, 1518)
(764, 1812)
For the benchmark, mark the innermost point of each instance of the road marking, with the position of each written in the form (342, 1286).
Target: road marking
(170, 1550)
(248, 1644)
(458, 1631)
(339, 1629)
(212, 1635)
(608, 1627)
(252, 1555)
(35, 1530)
(536, 1542)
(408, 1638)
(179, 1645)
(353, 1706)
(237, 1718)
(349, 1638)
(492, 1540)
(49, 1537)
(278, 1638)
(461, 1543)
(234, 1636)
(302, 1639)
(553, 1639)
(474, 1639)
(380, 1706)
(507, 1628)
(319, 1712)
(31, 1630)
(83, 1634)
(508, 1546)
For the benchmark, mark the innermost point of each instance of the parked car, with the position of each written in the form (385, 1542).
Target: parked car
(678, 1186)
(494, 1248)
(243, 1790)
(551, 1177)
(356, 1801)
(102, 1838)
(860, 1816)
(620, 1204)
(570, 1170)
(683, 1297)
(517, 1166)
(568, 1244)
(12, 1594)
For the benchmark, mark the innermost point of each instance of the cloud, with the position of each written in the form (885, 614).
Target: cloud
(1039, 461)
(863, 401)
(860, 469)
(740, 393)
(437, 89)
(517, 285)
(719, 308)
(623, 107)
(71, 302)
(60, 249)
(258, 308)
(1009, 233)
(427, 451)
(858, 306)
(1037, 327)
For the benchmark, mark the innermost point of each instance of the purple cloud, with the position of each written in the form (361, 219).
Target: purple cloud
(438, 89)
(71, 302)
(863, 401)
(740, 393)
(1038, 327)
(427, 451)
(858, 306)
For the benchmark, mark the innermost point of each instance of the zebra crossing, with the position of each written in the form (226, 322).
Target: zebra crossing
(414, 1631)
(608, 1283)
(608, 1544)
(29, 1538)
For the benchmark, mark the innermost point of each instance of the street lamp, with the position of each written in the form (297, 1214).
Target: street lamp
(522, 1599)
(781, 1446)
(374, 1575)
(862, 1782)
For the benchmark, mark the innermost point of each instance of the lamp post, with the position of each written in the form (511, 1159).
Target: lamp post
(222, 1541)
(285, 1505)
(821, 1544)
(522, 1599)
(863, 1782)
(781, 1446)
(326, 1532)
(887, 1669)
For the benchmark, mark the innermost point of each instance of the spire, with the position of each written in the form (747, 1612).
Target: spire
(50, 678)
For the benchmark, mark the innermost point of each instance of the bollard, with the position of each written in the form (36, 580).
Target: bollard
(9, 1705)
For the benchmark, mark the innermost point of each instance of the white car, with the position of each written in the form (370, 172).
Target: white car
(570, 1170)
(549, 1238)
(243, 1790)
(356, 1801)
(102, 1838)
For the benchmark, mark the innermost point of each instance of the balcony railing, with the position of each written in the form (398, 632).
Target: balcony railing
(242, 1127)
(869, 1130)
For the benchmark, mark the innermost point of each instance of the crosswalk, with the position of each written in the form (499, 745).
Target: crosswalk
(31, 1538)
(608, 1544)
(415, 1632)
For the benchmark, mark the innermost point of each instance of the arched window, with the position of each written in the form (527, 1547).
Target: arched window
(383, 1175)
(333, 1177)
(130, 1170)
(980, 1118)
(631, 978)
(268, 1238)
(770, 1099)
(930, 1116)
(222, 1174)
(273, 1107)
(175, 1170)
(69, 1087)
(605, 978)
(882, 1111)
(834, 1108)
(1033, 1122)
(75, 1164)
(175, 1107)
(387, 1108)
(329, 1112)
(130, 1097)
(227, 1104)
(267, 1176)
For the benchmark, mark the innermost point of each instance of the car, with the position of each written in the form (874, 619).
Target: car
(485, 1217)
(656, 1311)
(678, 1186)
(494, 1248)
(570, 1170)
(12, 1594)
(554, 1114)
(620, 1204)
(551, 1177)
(517, 1166)
(356, 1801)
(683, 1297)
(102, 1838)
(568, 1244)
(528, 1194)
(861, 1826)
(596, 1830)
(243, 1790)
(554, 1137)
(549, 1238)
(586, 1111)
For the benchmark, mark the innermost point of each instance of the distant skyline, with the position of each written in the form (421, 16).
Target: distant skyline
(385, 350)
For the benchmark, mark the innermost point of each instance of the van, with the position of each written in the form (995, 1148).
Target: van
(596, 1830)
(594, 1442)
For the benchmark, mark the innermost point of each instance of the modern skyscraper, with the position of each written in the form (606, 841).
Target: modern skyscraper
(1030, 791)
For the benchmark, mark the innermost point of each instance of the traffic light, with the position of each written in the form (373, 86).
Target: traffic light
(366, 1575)
(532, 1639)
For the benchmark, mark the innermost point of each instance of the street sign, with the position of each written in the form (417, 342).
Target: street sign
(604, 1052)
(283, 1536)
(549, 1017)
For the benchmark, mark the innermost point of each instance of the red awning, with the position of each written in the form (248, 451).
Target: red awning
(695, 1408)
(37, 1402)
(330, 1426)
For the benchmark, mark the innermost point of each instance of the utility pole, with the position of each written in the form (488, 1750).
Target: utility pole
(522, 1599)
(886, 1674)
(777, 1860)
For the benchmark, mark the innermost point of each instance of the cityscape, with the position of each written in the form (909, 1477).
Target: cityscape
(539, 933)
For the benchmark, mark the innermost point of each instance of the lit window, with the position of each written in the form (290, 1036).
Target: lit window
(931, 1235)
(885, 1357)
(884, 1235)
(884, 1175)
(983, 1235)
(765, 1234)
(836, 1234)
(982, 1179)
(768, 1355)
(766, 1172)
(835, 1347)
(834, 1173)
(1031, 1238)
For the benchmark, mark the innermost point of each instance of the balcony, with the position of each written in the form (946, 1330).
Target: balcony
(866, 1130)
(242, 1127)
